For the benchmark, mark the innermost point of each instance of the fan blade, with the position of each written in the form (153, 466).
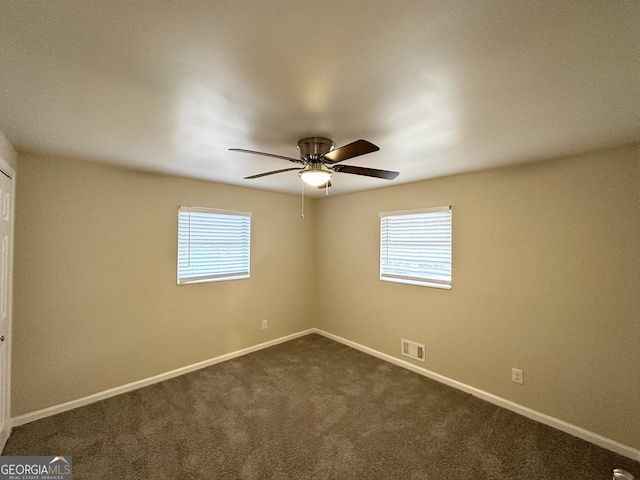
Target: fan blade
(296, 160)
(367, 172)
(325, 185)
(355, 149)
(271, 173)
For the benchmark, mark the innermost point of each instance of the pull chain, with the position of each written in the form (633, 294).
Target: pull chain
(302, 213)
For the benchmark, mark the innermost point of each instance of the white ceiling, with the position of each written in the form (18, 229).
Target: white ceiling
(442, 87)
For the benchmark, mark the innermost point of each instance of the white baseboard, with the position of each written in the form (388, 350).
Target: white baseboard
(4, 436)
(574, 430)
(96, 397)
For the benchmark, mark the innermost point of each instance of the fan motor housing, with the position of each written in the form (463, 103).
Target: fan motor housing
(313, 147)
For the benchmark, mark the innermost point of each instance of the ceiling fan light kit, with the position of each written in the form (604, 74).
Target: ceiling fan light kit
(315, 175)
(318, 156)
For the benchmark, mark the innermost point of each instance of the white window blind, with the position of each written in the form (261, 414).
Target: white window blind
(213, 244)
(415, 247)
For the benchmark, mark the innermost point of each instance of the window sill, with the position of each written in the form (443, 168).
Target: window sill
(416, 282)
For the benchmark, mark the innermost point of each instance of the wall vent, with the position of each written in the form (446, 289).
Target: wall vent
(413, 350)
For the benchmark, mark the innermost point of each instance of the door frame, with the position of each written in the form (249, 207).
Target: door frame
(5, 429)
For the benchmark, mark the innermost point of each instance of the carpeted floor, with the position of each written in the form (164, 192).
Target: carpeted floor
(310, 408)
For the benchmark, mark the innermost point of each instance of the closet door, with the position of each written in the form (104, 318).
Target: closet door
(6, 263)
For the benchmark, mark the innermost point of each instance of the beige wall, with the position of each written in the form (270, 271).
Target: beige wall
(545, 278)
(96, 303)
(7, 152)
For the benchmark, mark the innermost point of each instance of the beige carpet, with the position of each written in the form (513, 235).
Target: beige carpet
(310, 408)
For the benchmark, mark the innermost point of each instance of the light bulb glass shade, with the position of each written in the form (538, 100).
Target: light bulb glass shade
(315, 177)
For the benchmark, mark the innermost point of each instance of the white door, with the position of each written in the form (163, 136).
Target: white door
(6, 262)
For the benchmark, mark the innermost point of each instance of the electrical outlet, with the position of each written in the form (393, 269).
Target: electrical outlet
(264, 324)
(517, 376)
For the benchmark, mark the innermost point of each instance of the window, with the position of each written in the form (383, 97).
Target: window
(213, 245)
(415, 247)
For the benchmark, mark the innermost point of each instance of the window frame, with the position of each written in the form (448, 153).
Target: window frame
(216, 277)
(425, 281)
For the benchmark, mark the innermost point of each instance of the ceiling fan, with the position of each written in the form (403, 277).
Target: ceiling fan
(318, 158)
